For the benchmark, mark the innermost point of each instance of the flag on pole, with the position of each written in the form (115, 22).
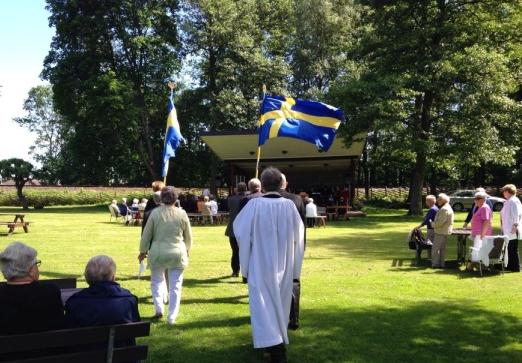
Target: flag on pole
(173, 136)
(311, 121)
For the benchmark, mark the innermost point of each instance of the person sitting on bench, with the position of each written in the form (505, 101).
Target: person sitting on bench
(26, 306)
(104, 302)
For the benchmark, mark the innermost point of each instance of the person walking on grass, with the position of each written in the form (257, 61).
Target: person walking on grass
(270, 234)
(166, 242)
(233, 209)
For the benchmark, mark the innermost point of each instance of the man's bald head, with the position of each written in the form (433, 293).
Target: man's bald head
(254, 185)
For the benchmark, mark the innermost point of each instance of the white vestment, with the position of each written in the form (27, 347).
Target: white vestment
(270, 235)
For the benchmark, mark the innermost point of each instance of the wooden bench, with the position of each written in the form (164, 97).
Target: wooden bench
(82, 345)
(66, 283)
(13, 225)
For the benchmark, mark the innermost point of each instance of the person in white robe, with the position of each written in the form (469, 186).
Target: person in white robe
(270, 235)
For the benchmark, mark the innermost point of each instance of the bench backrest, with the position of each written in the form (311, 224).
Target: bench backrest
(67, 283)
(93, 344)
(321, 211)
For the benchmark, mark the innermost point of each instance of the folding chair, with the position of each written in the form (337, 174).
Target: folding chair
(115, 213)
(492, 252)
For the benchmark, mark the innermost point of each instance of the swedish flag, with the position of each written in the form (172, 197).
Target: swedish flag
(173, 136)
(311, 121)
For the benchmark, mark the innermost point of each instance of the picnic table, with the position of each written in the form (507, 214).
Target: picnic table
(462, 235)
(18, 221)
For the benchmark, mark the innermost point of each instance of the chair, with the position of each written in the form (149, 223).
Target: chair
(115, 213)
(493, 251)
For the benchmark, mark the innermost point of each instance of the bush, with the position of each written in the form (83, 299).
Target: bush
(43, 197)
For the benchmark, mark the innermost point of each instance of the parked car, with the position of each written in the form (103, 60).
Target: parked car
(464, 199)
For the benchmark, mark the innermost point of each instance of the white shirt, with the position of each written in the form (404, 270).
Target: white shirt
(510, 215)
(213, 207)
(311, 210)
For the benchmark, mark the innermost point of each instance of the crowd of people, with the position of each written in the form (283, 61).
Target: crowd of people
(267, 236)
(439, 221)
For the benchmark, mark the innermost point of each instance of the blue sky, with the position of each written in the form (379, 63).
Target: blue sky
(24, 43)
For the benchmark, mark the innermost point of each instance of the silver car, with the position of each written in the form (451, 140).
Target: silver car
(464, 199)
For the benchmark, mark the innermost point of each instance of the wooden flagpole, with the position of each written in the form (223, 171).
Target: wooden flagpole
(259, 147)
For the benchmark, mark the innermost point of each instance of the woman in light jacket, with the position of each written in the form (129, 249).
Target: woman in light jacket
(166, 241)
(511, 218)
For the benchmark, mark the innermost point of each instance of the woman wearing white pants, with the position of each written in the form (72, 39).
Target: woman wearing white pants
(166, 242)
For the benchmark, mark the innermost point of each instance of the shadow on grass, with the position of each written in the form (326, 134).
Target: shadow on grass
(429, 332)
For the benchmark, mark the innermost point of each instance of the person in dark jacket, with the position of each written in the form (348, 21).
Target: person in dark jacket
(104, 302)
(152, 203)
(26, 306)
(233, 209)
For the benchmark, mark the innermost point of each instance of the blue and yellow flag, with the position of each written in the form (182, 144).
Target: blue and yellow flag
(311, 121)
(173, 136)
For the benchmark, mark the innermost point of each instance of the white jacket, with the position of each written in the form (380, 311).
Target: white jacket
(511, 214)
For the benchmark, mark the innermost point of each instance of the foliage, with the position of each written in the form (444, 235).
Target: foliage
(21, 172)
(42, 119)
(434, 86)
(108, 63)
(359, 292)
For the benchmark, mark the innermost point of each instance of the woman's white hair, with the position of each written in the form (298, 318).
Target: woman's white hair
(431, 197)
(16, 260)
(444, 197)
(481, 195)
(100, 268)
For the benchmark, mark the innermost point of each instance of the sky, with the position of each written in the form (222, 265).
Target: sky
(24, 43)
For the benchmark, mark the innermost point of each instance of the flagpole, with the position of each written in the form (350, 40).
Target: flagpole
(172, 86)
(259, 147)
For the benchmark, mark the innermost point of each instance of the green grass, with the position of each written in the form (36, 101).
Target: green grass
(362, 301)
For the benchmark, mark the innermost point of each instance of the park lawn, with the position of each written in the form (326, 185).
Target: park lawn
(362, 301)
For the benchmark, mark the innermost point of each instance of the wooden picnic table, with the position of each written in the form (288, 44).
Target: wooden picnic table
(198, 218)
(18, 221)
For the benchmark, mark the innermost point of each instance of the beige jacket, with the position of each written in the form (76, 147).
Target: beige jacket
(167, 237)
(443, 223)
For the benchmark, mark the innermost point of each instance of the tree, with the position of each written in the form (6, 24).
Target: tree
(323, 35)
(42, 119)
(235, 47)
(434, 81)
(21, 172)
(108, 65)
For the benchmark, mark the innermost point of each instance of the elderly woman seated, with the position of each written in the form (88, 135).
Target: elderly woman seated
(26, 306)
(104, 302)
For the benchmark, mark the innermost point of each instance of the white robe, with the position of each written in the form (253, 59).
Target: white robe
(270, 236)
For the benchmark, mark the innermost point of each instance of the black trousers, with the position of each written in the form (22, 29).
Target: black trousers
(234, 261)
(513, 258)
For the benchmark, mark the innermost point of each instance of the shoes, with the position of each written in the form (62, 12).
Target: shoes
(158, 316)
(235, 274)
(171, 321)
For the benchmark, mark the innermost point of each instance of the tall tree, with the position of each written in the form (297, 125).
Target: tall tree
(42, 119)
(108, 65)
(21, 172)
(434, 81)
(323, 35)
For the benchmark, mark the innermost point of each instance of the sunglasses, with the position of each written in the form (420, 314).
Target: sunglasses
(37, 263)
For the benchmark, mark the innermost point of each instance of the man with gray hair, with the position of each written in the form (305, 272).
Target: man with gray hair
(254, 191)
(104, 302)
(443, 226)
(26, 305)
(270, 234)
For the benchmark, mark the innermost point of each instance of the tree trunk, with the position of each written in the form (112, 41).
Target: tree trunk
(20, 194)
(416, 183)
(366, 173)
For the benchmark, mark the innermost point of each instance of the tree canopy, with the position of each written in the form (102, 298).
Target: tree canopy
(435, 83)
